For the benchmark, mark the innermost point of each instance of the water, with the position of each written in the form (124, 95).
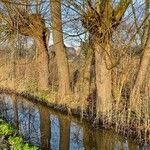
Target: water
(51, 130)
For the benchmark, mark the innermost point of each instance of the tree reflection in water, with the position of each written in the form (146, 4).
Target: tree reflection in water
(51, 130)
(15, 111)
(45, 127)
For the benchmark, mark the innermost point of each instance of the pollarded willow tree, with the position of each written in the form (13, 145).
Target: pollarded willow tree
(101, 18)
(19, 20)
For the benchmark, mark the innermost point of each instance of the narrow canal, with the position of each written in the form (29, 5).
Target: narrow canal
(51, 130)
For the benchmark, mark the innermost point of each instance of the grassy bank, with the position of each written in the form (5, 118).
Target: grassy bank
(9, 138)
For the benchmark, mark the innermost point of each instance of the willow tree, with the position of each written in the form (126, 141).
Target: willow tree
(21, 21)
(101, 18)
(39, 32)
(61, 57)
(144, 62)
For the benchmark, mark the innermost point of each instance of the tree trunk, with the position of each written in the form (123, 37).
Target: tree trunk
(62, 63)
(103, 79)
(84, 81)
(144, 63)
(43, 64)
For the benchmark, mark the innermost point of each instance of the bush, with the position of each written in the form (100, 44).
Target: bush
(15, 141)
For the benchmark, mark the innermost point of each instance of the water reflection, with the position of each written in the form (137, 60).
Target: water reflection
(45, 127)
(51, 130)
(55, 132)
(64, 124)
(15, 110)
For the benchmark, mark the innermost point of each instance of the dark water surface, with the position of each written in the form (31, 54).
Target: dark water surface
(51, 130)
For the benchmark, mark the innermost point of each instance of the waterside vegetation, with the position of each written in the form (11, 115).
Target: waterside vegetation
(9, 138)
